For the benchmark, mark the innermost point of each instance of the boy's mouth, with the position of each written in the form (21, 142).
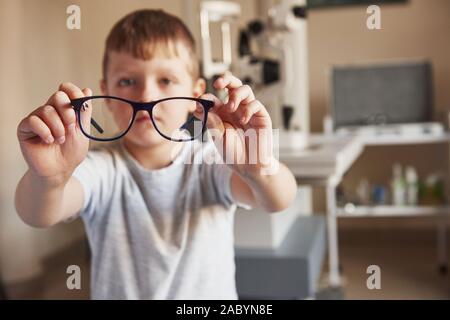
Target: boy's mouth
(145, 119)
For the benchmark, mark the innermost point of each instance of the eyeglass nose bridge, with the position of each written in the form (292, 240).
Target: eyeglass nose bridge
(144, 106)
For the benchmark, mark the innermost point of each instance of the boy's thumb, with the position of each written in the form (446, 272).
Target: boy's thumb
(215, 124)
(87, 92)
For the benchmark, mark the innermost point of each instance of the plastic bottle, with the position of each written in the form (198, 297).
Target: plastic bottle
(412, 186)
(363, 192)
(398, 186)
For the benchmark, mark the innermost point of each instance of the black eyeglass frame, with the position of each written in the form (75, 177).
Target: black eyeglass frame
(79, 105)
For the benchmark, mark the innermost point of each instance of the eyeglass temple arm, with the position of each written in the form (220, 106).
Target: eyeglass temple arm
(187, 123)
(95, 123)
(97, 126)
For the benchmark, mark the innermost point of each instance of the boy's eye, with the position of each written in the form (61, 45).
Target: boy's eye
(126, 82)
(165, 81)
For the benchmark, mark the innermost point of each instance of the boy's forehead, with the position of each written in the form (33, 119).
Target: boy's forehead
(178, 60)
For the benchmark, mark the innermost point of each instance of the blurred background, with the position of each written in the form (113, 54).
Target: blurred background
(363, 111)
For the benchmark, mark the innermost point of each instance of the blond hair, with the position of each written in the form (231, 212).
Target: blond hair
(147, 33)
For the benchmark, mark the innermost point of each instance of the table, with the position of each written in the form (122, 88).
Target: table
(325, 162)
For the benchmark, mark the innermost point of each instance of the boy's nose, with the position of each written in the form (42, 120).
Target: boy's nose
(146, 96)
(148, 93)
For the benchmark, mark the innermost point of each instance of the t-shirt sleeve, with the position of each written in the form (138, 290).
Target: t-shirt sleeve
(218, 177)
(222, 178)
(95, 174)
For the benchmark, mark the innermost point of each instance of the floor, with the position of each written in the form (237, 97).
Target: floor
(406, 257)
(52, 283)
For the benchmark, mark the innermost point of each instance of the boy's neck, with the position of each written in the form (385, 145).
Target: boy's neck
(154, 158)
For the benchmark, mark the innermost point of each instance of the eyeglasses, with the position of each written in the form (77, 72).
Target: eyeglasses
(112, 117)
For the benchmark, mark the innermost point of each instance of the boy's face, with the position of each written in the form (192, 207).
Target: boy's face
(145, 81)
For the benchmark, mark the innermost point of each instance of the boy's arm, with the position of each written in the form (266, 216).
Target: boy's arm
(41, 203)
(271, 193)
(242, 131)
(53, 146)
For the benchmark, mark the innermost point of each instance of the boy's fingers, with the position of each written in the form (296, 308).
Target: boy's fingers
(215, 127)
(61, 102)
(71, 90)
(74, 92)
(87, 92)
(199, 112)
(33, 126)
(56, 118)
(51, 118)
(213, 119)
(218, 104)
(227, 80)
(216, 115)
(243, 94)
(249, 110)
(213, 98)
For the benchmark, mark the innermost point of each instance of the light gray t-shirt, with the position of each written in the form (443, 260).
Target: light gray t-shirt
(159, 234)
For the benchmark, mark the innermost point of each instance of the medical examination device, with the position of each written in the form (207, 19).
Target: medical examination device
(271, 57)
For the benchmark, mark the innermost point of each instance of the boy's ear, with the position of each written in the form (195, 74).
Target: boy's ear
(103, 87)
(199, 87)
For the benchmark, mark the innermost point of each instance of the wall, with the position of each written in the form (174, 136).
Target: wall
(414, 29)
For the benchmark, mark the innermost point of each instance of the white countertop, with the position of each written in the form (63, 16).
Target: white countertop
(331, 156)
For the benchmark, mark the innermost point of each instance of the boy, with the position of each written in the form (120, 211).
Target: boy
(159, 226)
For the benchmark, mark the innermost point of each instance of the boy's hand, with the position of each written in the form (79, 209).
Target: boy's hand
(50, 138)
(242, 114)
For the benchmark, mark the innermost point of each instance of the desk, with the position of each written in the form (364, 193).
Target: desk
(326, 161)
